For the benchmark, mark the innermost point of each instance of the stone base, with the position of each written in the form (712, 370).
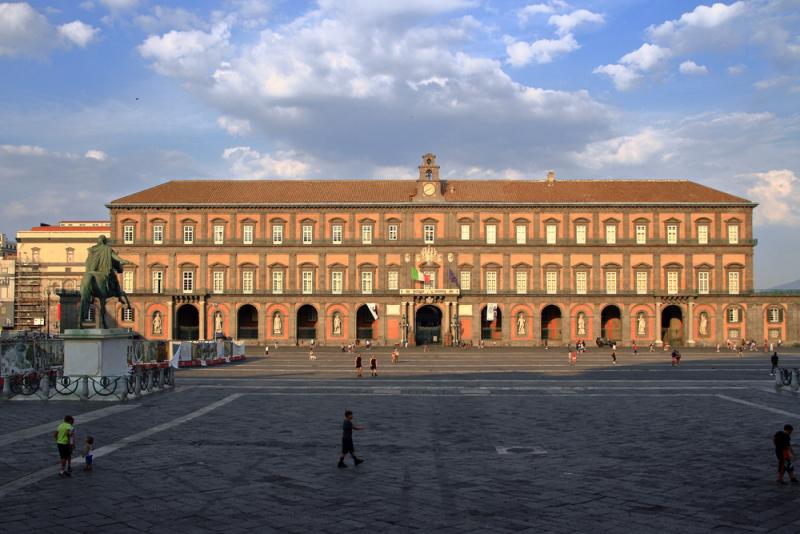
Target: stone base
(96, 352)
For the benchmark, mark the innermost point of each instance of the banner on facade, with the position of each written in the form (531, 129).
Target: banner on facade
(491, 311)
(373, 309)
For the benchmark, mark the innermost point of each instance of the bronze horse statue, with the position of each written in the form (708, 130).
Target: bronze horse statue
(100, 279)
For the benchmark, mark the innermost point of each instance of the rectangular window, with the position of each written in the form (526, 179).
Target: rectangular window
(465, 231)
(127, 234)
(158, 234)
(521, 282)
(550, 234)
(551, 282)
(522, 234)
(641, 234)
(218, 285)
(733, 314)
(247, 234)
(277, 234)
(219, 234)
(672, 282)
(337, 232)
(188, 234)
(158, 281)
(277, 281)
(580, 234)
(70, 255)
(188, 281)
(431, 283)
(308, 282)
(366, 282)
(491, 234)
(641, 282)
(308, 234)
(702, 282)
(672, 234)
(393, 231)
(337, 282)
(733, 282)
(366, 234)
(429, 233)
(611, 282)
(702, 234)
(127, 281)
(466, 280)
(394, 280)
(127, 315)
(733, 234)
(611, 234)
(581, 282)
(491, 282)
(247, 282)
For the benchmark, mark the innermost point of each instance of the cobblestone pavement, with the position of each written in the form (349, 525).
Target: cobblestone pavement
(453, 444)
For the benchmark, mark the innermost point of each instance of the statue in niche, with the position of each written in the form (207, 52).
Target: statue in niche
(641, 324)
(158, 324)
(218, 323)
(521, 323)
(581, 324)
(277, 324)
(337, 324)
(703, 324)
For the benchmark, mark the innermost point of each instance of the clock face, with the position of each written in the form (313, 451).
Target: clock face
(429, 189)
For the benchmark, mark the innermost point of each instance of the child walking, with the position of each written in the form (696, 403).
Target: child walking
(88, 456)
(65, 440)
(347, 440)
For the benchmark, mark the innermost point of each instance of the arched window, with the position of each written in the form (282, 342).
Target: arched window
(429, 175)
(733, 314)
(774, 314)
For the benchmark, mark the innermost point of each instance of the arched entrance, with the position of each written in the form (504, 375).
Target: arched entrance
(247, 322)
(428, 328)
(187, 323)
(611, 323)
(307, 322)
(672, 325)
(551, 324)
(492, 329)
(364, 320)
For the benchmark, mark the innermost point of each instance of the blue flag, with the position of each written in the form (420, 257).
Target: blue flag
(453, 278)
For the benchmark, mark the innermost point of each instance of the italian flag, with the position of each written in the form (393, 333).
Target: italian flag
(415, 274)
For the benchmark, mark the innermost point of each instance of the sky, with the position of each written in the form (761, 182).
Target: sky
(103, 98)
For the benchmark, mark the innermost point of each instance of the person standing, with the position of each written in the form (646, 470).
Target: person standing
(774, 361)
(373, 365)
(652, 347)
(783, 451)
(395, 355)
(613, 357)
(347, 440)
(266, 350)
(635, 349)
(65, 440)
(358, 365)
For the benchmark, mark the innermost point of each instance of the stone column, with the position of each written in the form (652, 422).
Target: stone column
(536, 323)
(171, 319)
(203, 312)
(625, 321)
(659, 341)
(690, 325)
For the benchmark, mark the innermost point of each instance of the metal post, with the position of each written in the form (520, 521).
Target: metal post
(44, 386)
(137, 382)
(84, 395)
(6, 387)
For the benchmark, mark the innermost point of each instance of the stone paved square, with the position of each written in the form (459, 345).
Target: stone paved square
(641, 447)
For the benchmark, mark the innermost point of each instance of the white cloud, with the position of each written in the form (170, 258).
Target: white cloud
(691, 68)
(774, 83)
(192, 54)
(541, 51)
(778, 194)
(736, 70)
(624, 150)
(646, 57)
(250, 164)
(565, 24)
(24, 150)
(98, 155)
(168, 18)
(702, 27)
(119, 5)
(528, 12)
(623, 77)
(234, 126)
(78, 33)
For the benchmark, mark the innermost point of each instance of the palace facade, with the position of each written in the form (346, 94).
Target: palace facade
(513, 262)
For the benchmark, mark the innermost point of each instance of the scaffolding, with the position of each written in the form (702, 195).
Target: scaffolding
(29, 306)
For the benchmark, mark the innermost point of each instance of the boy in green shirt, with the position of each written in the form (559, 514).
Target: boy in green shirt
(65, 439)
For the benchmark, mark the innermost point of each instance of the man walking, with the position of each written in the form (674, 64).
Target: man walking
(347, 440)
(783, 451)
(774, 361)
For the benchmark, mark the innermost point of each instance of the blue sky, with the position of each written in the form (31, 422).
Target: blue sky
(105, 97)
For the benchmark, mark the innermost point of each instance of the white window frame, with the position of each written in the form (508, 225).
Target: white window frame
(393, 280)
(429, 233)
(307, 278)
(611, 282)
(127, 314)
(491, 282)
(465, 232)
(672, 283)
(128, 233)
(672, 234)
(702, 234)
(337, 282)
(580, 234)
(277, 281)
(188, 234)
(641, 234)
(641, 282)
(366, 234)
(248, 230)
(491, 234)
(393, 232)
(187, 281)
(465, 278)
(157, 281)
(734, 279)
(218, 282)
(611, 234)
(127, 281)
(774, 312)
(158, 234)
(521, 282)
(308, 234)
(337, 234)
(277, 234)
(703, 282)
(219, 234)
(366, 282)
(248, 281)
(581, 282)
(432, 277)
(733, 234)
(732, 315)
(551, 282)
(551, 233)
(521, 233)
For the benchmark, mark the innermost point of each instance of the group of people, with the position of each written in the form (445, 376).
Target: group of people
(65, 441)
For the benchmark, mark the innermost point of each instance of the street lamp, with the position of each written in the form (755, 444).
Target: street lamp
(47, 314)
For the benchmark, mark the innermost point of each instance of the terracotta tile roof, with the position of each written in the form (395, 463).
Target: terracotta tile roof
(283, 192)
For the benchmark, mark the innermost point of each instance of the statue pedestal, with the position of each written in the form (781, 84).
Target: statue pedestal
(97, 360)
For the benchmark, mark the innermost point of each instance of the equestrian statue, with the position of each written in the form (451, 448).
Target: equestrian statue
(100, 279)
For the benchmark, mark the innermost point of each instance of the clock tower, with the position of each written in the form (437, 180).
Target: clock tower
(429, 187)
